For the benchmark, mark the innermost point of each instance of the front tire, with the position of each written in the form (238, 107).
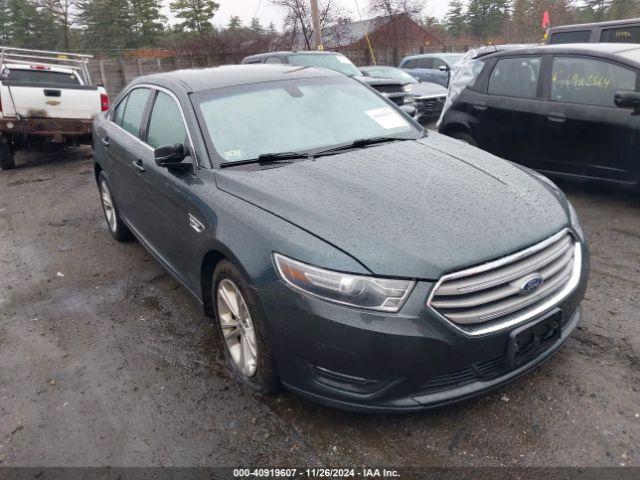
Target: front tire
(7, 161)
(117, 228)
(465, 137)
(241, 325)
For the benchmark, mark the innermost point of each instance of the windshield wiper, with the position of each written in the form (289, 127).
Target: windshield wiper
(268, 158)
(360, 143)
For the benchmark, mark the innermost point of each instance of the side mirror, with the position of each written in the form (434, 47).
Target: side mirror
(443, 68)
(409, 110)
(627, 100)
(172, 157)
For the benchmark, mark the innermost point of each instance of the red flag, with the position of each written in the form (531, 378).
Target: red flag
(546, 22)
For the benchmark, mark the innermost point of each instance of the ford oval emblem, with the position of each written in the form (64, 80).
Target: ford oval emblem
(532, 284)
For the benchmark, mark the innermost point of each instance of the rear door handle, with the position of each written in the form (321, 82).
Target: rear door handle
(139, 165)
(557, 117)
(105, 141)
(480, 106)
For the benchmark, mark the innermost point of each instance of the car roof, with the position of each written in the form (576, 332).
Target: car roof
(286, 53)
(597, 49)
(197, 80)
(431, 55)
(586, 26)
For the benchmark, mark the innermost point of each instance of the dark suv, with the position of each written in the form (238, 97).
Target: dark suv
(399, 92)
(570, 110)
(615, 31)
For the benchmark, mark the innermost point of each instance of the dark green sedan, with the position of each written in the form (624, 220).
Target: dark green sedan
(342, 251)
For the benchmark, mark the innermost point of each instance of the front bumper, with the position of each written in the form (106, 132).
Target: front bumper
(376, 362)
(430, 107)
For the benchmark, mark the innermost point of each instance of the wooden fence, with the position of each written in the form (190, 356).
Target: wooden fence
(115, 73)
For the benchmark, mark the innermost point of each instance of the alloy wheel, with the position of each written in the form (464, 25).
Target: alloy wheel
(107, 205)
(237, 328)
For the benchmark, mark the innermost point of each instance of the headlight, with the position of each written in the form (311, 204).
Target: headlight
(355, 290)
(575, 222)
(407, 88)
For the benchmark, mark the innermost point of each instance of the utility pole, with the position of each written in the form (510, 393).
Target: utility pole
(317, 33)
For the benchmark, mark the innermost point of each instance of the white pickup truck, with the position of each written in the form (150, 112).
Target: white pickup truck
(45, 97)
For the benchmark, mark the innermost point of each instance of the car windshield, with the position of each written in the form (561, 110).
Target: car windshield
(309, 115)
(336, 62)
(392, 73)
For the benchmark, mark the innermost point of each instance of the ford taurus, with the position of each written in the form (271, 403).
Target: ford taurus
(341, 250)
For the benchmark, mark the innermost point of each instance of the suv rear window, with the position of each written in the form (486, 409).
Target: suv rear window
(621, 35)
(578, 36)
(42, 76)
(515, 77)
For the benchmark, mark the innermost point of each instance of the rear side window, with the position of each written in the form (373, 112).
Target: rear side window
(579, 36)
(515, 77)
(273, 60)
(134, 110)
(409, 64)
(588, 81)
(621, 35)
(166, 125)
(43, 77)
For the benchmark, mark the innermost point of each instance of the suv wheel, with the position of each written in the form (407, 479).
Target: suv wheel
(118, 229)
(7, 162)
(241, 327)
(465, 137)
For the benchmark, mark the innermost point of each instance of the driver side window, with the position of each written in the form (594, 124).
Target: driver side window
(166, 126)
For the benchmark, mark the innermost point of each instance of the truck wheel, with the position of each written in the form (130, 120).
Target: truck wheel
(118, 229)
(7, 162)
(466, 138)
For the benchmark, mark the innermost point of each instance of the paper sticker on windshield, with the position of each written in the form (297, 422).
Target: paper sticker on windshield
(232, 154)
(387, 118)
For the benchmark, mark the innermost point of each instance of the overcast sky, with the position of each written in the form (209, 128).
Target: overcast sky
(267, 13)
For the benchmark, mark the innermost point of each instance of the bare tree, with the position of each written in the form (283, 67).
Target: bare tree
(298, 18)
(412, 8)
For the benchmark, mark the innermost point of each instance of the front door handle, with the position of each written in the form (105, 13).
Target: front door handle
(105, 141)
(139, 165)
(557, 117)
(480, 106)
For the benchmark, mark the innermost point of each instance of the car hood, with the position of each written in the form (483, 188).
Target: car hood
(408, 209)
(375, 81)
(428, 89)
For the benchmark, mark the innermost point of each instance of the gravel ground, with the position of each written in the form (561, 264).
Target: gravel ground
(106, 360)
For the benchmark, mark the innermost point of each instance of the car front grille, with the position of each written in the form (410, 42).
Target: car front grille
(510, 290)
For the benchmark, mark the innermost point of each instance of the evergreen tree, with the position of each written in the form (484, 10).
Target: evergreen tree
(61, 13)
(107, 24)
(147, 21)
(596, 10)
(272, 29)
(455, 20)
(234, 23)
(21, 28)
(196, 15)
(256, 26)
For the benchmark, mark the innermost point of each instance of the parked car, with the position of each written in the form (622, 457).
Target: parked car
(429, 97)
(569, 110)
(615, 31)
(45, 97)
(341, 249)
(431, 67)
(398, 92)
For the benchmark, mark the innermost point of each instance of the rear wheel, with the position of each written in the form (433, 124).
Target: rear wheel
(242, 329)
(7, 162)
(118, 229)
(465, 137)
